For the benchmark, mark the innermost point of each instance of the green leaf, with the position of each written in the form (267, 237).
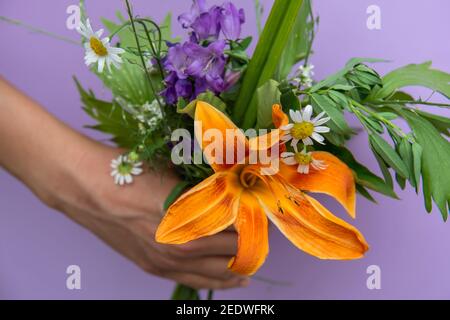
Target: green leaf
(175, 193)
(374, 124)
(388, 154)
(340, 98)
(238, 54)
(384, 169)
(183, 292)
(337, 123)
(331, 80)
(363, 175)
(342, 87)
(265, 59)
(111, 118)
(435, 162)
(400, 95)
(363, 191)
(442, 124)
(406, 153)
(368, 78)
(267, 95)
(130, 82)
(208, 97)
(245, 43)
(417, 163)
(298, 43)
(388, 115)
(289, 100)
(415, 75)
(400, 181)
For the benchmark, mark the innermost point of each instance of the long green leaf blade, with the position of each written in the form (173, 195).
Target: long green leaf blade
(265, 60)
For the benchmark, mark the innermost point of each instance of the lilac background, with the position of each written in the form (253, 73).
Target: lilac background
(37, 244)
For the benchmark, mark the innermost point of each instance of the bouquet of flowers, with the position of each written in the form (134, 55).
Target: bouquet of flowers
(253, 136)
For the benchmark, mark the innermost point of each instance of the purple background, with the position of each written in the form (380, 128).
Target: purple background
(37, 244)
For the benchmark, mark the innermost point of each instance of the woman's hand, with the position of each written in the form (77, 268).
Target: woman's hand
(127, 217)
(71, 173)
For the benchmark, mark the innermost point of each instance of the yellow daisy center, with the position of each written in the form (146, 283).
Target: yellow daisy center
(124, 168)
(302, 158)
(302, 130)
(98, 47)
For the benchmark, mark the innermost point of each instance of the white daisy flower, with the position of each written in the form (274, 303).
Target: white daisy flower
(123, 169)
(304, 128)
(303, 159)
(99, 50)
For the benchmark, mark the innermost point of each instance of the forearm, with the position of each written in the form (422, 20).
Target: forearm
(35, 146)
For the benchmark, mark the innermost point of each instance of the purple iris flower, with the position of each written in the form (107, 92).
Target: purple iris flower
(231, 20)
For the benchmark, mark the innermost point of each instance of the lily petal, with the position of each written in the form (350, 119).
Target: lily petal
(211, 118)
(268, 140)
(253, 241)
(335, 180)
(310, 226)
(208, 208)
(279, 118)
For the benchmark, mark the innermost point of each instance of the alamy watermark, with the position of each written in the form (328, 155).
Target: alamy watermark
(373, 21)
(74, 18)
(373, 281)
(229, 147)
(73, 281)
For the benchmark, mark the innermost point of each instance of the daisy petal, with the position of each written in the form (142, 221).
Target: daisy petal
(294, 142)
(322, 129)
(287, 154)
(308, 141)
(101, 64)
(290, 161)
(322, 121)
(307, 112)
(296, 116)
(318, 137)
(136, 171)
(320, 115)
(287, 127)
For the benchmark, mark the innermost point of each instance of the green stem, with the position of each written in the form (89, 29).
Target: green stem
(38, 30)
(141, 55)
(385, 121)
(360, 117)
(210, 294)
(313, 35)
(156, 54)
(445, 105)
(258, 11)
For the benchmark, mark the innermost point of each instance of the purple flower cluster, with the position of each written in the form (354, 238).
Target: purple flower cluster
(199, 64)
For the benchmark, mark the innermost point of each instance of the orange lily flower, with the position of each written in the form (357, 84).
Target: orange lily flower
(239, 194)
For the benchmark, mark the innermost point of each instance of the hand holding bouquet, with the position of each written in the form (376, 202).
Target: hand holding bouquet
(252, 137)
